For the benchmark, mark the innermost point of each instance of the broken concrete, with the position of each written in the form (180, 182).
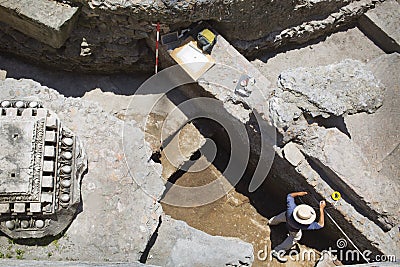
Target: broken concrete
(344, 88)
(368, 218)
(118, 217)
(49, 22)
(180, 245)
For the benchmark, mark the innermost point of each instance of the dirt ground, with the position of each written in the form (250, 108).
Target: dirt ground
(232, 215)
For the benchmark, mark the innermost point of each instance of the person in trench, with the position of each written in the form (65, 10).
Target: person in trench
(297, 218)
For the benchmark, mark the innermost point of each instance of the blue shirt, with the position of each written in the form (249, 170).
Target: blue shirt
(291, 223)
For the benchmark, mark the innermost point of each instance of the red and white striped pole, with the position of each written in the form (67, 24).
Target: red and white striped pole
(157, 41)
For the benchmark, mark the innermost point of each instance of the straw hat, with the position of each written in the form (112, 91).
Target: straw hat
(304, 214)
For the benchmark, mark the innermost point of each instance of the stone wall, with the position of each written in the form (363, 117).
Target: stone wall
(109, 35)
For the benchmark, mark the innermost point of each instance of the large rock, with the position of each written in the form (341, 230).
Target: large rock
(344, 88)
(31, 18)
(180, 245)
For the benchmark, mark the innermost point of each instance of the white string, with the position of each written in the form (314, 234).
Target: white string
(341, 230)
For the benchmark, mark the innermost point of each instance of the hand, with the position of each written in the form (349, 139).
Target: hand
(322, 204)
(302, 193)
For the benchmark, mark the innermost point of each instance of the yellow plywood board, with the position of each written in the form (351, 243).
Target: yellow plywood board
(192, 59)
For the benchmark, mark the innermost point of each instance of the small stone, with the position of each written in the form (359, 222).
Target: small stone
(33, 104)
(24, 224)
(68, 141)
(66, 169)
(64, 197)
(19, 104)
(39, 224)
(66, 155)
(5, 104)
(66, 183)
(10, 224)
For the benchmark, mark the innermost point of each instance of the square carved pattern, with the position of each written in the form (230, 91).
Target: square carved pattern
(28, 160)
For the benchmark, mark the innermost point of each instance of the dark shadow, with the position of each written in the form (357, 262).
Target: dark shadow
(330, 122)
(378, 36)
(150, 243)
(72, 84)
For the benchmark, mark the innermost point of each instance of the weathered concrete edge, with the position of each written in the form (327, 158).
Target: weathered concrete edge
(307, 31)
(55, 37)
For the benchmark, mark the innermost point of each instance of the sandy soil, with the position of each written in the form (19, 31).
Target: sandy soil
(232, 215)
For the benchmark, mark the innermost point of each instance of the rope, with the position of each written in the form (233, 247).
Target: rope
(340, 229)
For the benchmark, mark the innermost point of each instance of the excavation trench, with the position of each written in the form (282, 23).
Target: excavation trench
(240, 213)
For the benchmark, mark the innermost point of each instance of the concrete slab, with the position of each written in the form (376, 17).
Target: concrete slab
(16, 154)
(49, 22)
(179, 150)
(381, 24)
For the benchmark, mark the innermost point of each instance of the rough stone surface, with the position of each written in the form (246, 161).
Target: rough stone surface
(344, 88)
(109, 35)
(179, 245)
(179, 150)
(33, 19)
(354, 155)
(109, 194)
(40, 187)
(118, 218)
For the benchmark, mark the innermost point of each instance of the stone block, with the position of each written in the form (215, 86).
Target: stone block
(49, 22)
(3, 75)
(381, 24)
(19, 207)
(47, 182)
(26, 112)
(35, 207)
(12, 112)
(4, 208)
(293, 154)
(51, 122)
(49, 151)
(46, 197)
(41, 112)
(50, 137)
(48, 166)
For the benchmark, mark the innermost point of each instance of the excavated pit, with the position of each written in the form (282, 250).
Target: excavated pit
(239, 213)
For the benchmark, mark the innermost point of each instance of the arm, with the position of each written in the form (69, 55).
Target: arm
(321, 221)
(298, 194)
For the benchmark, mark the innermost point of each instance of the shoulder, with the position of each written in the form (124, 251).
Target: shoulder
(314, 226)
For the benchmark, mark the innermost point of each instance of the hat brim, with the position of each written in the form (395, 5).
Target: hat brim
(302, 221)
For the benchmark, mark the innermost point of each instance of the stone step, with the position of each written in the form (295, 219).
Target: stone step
(47, 21)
